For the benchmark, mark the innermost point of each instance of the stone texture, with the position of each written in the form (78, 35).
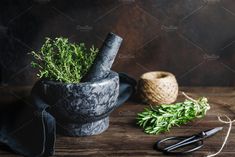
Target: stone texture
(81, 109)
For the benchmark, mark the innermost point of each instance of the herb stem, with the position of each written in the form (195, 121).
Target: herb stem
(162, 118)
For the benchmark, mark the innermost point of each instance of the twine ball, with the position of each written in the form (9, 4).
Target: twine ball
(158, 87)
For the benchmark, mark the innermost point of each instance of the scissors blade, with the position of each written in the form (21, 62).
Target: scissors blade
(211, 132)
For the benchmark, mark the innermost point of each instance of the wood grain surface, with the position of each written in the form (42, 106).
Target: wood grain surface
(123, 138)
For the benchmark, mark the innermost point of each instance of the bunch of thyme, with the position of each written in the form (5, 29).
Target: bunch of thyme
(60, 60)
(161, 118)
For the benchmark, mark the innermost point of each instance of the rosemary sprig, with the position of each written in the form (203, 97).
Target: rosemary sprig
(161, 118)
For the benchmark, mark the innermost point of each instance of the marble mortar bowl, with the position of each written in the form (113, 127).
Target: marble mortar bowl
(82, 109)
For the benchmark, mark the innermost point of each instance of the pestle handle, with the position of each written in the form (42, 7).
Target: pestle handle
(105, 58)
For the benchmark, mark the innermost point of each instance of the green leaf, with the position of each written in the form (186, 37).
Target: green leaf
(63, 61)
(162, 118)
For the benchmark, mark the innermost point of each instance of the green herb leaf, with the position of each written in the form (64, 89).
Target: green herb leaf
(60, 60)
(161, 118)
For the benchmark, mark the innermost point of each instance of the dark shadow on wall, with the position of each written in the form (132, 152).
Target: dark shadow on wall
(192, 39)
(18, 27)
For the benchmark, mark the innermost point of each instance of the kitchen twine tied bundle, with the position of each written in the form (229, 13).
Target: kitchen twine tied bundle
(230, 122)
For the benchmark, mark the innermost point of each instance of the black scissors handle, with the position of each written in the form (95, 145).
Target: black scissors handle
(183, 142)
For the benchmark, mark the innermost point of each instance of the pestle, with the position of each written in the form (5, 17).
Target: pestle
(105, 58)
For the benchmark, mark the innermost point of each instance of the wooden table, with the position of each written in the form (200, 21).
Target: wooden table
(124, 139)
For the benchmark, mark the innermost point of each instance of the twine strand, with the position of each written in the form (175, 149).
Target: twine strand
(188, 97)
(230, 122)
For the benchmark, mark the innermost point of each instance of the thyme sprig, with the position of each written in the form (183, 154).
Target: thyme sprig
(60, 60)
(157, 119)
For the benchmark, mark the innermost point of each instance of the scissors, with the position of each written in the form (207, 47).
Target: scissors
(184, 144)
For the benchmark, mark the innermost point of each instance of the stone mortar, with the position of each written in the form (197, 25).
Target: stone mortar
(81, 109)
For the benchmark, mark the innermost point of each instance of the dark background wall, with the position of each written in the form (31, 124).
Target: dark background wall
(194, 39)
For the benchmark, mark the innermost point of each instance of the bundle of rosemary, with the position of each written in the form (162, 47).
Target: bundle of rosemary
(161, 118)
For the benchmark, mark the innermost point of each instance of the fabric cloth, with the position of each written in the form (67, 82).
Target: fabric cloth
(30, 130)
